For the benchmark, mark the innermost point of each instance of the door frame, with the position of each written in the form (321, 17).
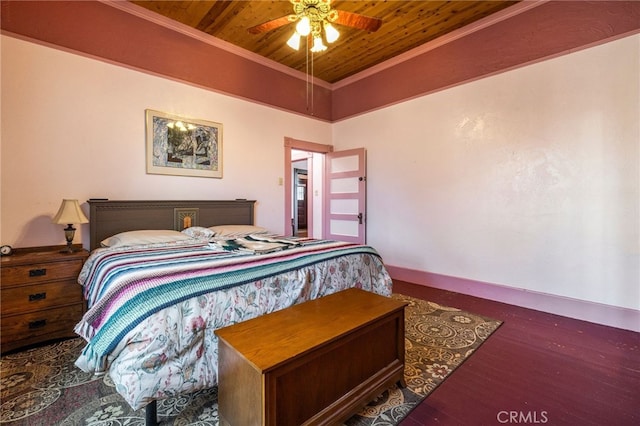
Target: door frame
(290, 144)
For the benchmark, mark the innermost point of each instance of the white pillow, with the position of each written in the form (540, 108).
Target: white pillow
(198, 232)
(148, 236)
(237, 231)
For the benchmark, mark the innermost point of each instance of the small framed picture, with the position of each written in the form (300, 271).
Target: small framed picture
(185, 218)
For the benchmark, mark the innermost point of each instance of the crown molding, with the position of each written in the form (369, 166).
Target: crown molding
(478, 25)
(179, 27)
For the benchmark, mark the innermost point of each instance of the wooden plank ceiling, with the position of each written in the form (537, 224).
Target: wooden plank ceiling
(405, 25)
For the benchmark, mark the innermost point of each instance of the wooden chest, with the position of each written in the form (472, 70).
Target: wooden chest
(40, 296)
(317, 363)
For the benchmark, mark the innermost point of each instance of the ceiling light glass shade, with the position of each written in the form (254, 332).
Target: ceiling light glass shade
(318, 45)
(303, 27)
(330, 33)
(294, 41)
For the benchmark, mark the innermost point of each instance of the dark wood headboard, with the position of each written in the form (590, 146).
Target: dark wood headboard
(107, 218)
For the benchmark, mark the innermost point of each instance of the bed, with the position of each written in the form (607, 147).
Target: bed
(153, 304)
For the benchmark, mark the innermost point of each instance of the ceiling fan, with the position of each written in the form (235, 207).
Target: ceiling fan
(315, 17)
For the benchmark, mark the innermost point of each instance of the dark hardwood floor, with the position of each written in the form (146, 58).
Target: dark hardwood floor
(537, 368)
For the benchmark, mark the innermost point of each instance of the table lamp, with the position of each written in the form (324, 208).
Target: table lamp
(69, 213)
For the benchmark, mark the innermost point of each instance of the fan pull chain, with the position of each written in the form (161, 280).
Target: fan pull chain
(312, 104)
(309, 80)
(307, 72)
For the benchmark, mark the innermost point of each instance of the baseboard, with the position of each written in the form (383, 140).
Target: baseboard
(613, 316)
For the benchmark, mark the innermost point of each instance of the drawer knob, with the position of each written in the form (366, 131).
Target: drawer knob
(37, 296)
(38, 272)
(37, 324)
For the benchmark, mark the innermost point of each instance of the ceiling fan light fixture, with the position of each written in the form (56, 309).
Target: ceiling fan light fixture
(314, 20)
(318, 45)
(294, 41)
(303, 27)
(330, 33)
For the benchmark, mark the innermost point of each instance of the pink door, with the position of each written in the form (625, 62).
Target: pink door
(345, 196)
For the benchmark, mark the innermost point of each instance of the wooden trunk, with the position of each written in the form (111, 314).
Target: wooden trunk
(316, 363)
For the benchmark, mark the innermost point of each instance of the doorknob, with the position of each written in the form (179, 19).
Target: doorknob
(360, 218)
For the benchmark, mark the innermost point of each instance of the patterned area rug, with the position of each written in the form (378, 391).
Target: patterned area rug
(43, 387)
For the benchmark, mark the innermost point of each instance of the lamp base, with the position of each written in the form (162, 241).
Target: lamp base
(69, 233)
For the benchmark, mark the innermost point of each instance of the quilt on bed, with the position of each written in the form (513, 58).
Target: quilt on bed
(153, 309)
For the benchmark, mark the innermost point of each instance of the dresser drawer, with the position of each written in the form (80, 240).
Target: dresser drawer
(40, 272)
(18, 300)
(19, 330)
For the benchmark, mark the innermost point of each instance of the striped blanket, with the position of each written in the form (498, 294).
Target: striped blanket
(123, 287)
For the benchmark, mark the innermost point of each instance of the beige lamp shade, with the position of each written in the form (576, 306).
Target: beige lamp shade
(70, 213)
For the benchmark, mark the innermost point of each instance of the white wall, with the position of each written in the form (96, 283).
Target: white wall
(74, 127)
(528, 179)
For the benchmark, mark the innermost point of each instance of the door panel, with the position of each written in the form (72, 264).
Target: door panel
(345, 196)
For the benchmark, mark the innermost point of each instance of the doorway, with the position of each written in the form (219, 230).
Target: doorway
(335, 191)
(312, 153)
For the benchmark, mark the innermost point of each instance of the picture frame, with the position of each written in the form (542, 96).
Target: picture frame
(181, 146)
(184, 218)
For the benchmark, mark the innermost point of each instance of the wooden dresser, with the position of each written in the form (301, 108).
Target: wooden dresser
(315, 363)
(40, 296)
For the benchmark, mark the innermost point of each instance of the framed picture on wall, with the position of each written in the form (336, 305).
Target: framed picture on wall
(182, 146)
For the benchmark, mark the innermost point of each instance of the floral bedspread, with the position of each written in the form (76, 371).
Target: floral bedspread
(153, 310)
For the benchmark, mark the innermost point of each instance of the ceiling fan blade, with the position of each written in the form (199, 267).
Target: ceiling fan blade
(270, 25)
(356, 20)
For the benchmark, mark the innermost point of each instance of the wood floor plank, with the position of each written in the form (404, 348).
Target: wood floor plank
(542, 368)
